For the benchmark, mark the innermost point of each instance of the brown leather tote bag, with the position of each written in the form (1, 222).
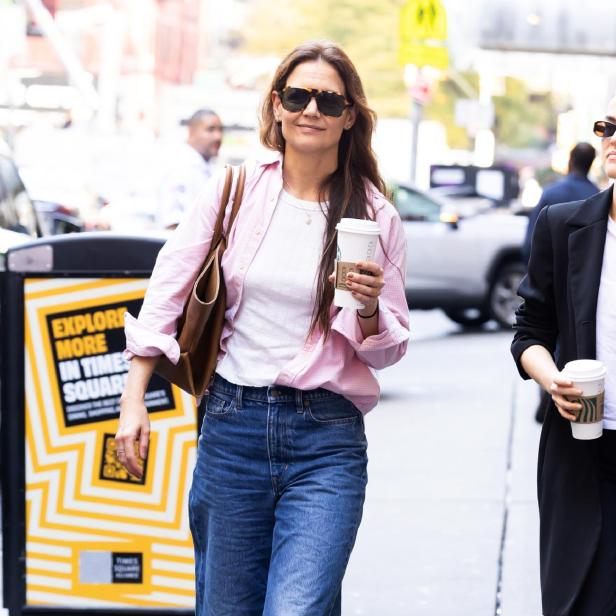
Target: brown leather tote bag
(200, 327)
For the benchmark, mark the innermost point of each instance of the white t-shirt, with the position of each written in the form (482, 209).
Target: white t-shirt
(181, 185)
(275, 312)
(606, 324)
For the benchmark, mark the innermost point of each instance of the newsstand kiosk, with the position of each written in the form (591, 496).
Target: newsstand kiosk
(81, 535)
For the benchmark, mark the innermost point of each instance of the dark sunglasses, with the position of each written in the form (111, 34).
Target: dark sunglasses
(328, 103)
(604, 129)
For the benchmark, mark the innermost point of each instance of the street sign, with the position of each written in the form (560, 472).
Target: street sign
(421, 90)
(423, 34)
(474, 115)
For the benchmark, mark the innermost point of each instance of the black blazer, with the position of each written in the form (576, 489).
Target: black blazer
(560, 294)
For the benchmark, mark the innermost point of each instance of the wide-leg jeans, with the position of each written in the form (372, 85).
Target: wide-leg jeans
(277, 498)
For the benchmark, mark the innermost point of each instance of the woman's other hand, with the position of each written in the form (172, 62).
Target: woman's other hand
(134, 428)
(134, 424)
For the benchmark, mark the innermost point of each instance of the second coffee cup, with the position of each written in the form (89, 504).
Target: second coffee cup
(589, 376)
(357, 241)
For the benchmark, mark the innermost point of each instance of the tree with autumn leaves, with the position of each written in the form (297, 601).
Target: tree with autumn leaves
(368, 30)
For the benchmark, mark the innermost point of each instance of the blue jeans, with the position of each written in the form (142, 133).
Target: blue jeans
(276, 500)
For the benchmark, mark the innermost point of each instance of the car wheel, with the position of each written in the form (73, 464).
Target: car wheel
(504, 299)
(468, 317)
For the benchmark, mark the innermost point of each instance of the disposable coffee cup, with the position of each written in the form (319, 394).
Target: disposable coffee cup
(357, 240)
(589, 376)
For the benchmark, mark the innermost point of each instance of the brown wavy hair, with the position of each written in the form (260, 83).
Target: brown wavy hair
(345, 188)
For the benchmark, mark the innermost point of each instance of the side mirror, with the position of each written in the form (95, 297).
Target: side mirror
(449, 219)
(62, 223)
(69, 227)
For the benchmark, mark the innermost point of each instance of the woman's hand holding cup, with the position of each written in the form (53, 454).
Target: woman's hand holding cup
(560, 389)
(365, 286)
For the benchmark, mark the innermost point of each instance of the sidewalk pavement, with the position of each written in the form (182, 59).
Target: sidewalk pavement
(521, 592)
(450, 524)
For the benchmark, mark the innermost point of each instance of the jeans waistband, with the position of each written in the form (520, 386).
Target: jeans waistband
(265, 394)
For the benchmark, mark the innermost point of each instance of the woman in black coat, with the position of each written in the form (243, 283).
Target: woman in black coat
(557, 323)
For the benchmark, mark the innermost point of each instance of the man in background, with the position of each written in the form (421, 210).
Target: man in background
(191, 169)
(575, 186)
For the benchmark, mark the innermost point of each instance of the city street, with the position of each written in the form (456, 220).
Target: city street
(117, 121)
(450, 522)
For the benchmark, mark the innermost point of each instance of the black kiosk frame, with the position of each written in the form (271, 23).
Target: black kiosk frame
(86, 255)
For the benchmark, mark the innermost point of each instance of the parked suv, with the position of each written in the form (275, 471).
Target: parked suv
(52, 218)
(470, 267)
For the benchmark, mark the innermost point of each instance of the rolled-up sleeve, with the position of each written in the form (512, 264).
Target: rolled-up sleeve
(178, 262)
(536, 319)
(389, 345)
(145, 342)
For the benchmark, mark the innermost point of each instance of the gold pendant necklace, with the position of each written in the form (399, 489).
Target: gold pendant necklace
(308, 216)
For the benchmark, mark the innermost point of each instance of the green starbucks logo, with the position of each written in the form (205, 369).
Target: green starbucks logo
(592, 409)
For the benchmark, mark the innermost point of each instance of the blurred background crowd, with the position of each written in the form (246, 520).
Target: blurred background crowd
(95, 94)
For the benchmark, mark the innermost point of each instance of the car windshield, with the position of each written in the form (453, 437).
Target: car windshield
(412, 205)
(16, 210)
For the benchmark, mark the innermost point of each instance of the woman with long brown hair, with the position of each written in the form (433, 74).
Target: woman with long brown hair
(279, 484)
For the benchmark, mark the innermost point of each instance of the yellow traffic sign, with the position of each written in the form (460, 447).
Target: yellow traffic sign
(423, 34)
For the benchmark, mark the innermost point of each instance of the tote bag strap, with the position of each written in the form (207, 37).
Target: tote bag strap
(224, 200)
(237, 198)
(218, 234)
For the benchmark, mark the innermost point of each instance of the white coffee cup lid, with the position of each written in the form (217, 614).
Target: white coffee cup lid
(356, 225)
(584, 370)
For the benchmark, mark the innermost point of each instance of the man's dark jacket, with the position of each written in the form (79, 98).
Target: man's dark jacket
(559, 312)
(573, 187)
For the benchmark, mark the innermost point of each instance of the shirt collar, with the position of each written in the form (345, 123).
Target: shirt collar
(273, 157)
(269, 157)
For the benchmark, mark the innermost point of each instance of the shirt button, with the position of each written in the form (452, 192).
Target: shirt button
(258, 232)
(272, 199)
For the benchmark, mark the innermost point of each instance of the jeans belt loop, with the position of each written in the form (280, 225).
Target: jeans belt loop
(239, 390)
(299, 401)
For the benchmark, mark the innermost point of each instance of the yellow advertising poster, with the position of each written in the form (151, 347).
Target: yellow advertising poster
(96, 536)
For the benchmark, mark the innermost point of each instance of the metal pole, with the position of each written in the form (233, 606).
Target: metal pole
(12, 42)
(109, 72)
(79, 77)
(416, 116)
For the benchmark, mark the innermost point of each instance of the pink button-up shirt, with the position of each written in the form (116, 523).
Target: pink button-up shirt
(343, 362)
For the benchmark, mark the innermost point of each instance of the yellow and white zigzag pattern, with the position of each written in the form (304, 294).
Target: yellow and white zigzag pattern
(70, 509)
